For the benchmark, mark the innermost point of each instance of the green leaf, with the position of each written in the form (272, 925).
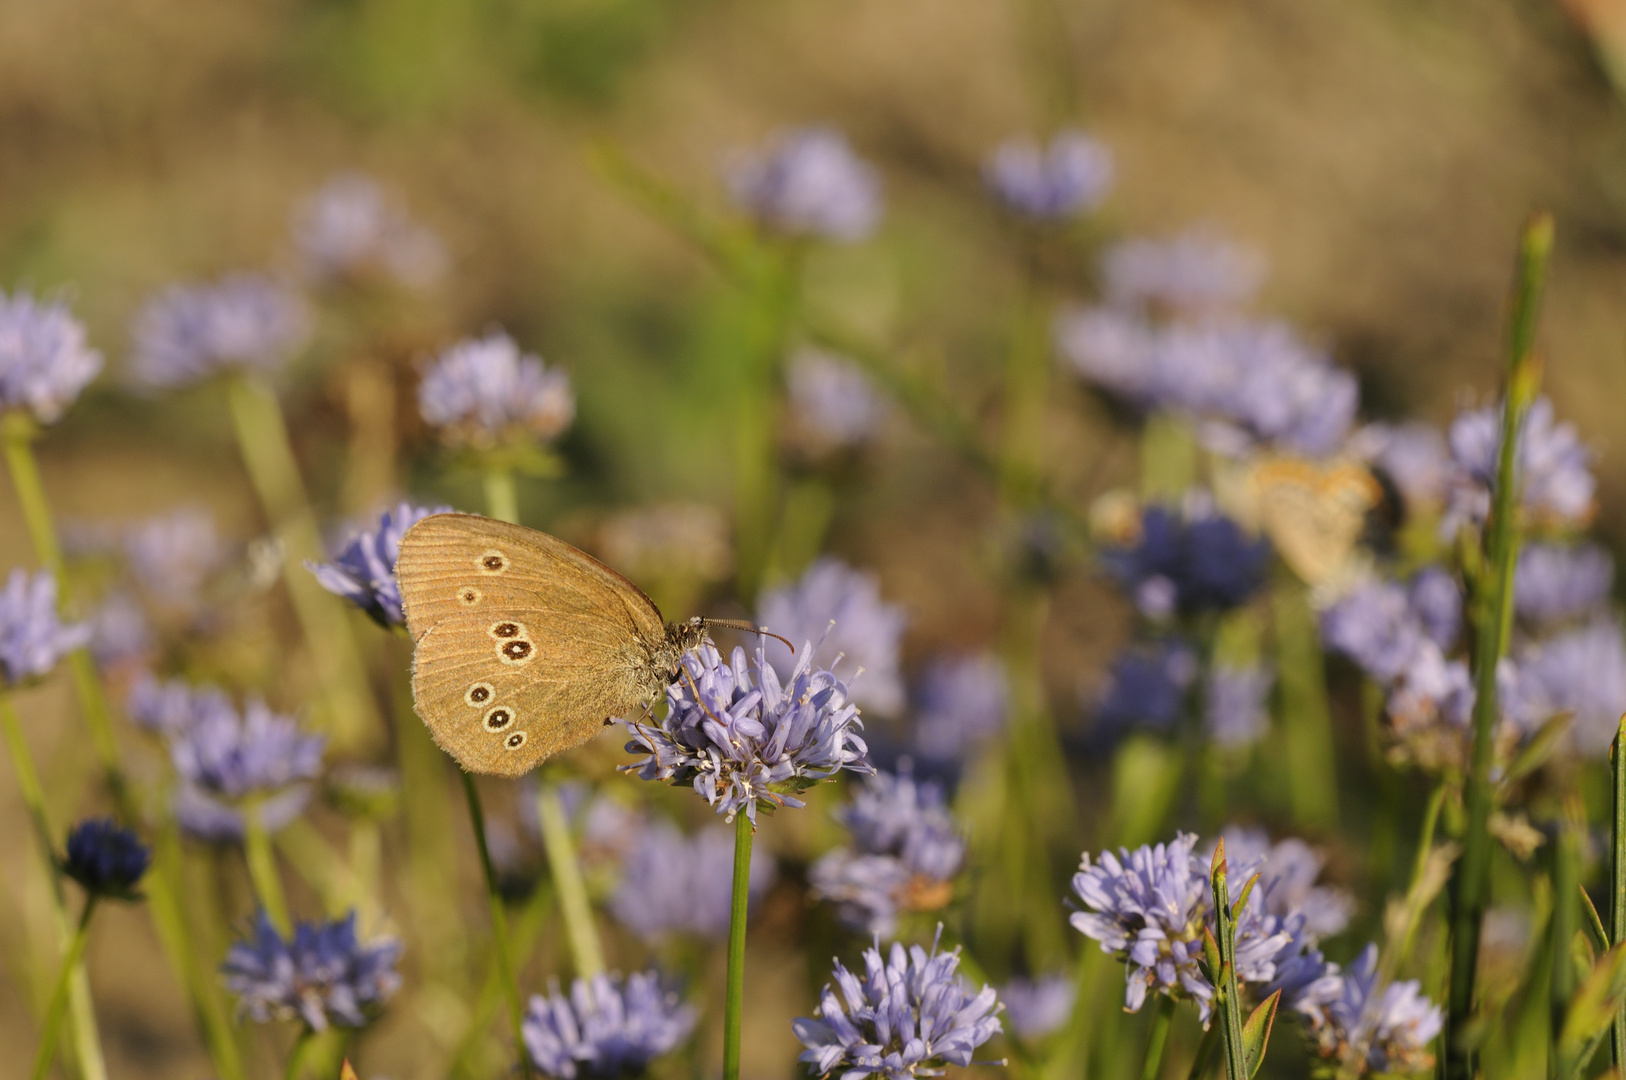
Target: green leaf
(1594, 925)
(1211, 956)
(1241, 901)
(1256, 1032)
(1536, 751)
(1592, 1009)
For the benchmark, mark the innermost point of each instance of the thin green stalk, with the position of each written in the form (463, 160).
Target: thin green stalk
(86, 1040)
(1492, 602)
(58, 1006)
(526, 932)
(262, 868)
(17, 433)
(1230, 998)
(774, 292)
(1306, 721)
(567, 879)
(1419, 867)
(262, 439)
(1158, 1038)
(1566, 885)
(499, 924)
(502, 496)
(1617, 879)
(296, 1055)
(744, 833)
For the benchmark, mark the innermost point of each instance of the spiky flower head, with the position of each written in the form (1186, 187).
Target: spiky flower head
(1235, 703)
(32, 638)
(664, 864)
(608, 1027)
(350, 228)
(960, 702)
(1581, 671)
(905, 853)
(840, 610)
(255, 752)
(105, 858)
(1288, 871)
(484, 392)
(1145, 688)
(1188, 559)
(241, 322)
(322, 975)
(750, 737)
(910, 1014)
(1555, 583)
(363, 571)
(833, 404)
(1397, 1029)
(45, 359)
(1072, 174)
(1040, 1007)
(1150, 906)
(172, 555)
(1553, 468)
(809, 183)
(1194, 272)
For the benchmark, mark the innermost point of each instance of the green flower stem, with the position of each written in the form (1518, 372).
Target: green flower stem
(1617, 878)
(1491, 604)
(56, 1009)
(774, 295)
(262, 438)
(86, 1041)
(744, 833)
(296, 1055)
(1565, 922)
(502, 496)
(526, 931)
(1205, 1053)
(1158, 1038)
(1306, 721)
(567, 880)
(17, 433)
(262, 868)
(1425, 846)
(499, 924)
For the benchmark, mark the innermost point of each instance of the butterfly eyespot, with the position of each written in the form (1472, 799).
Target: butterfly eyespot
(515, 652)
(515, 741)
(468, 596)
(491, 562)
(478, 694)
(506, 630)
(499, 718)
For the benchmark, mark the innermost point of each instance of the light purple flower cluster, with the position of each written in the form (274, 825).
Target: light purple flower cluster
(1145, 688)
(322, 976)
(1396, 1029)
(190, 332)
(1288, 872)
(606, 1028)
(960, 703)
(224, 756)
(1558, 583)
(1194, 273)
(809, 183)
(833, 404)
(484, 391)
(1149, 907)
(1072, 174)
(45, 359)
(1235, 703)
(906, 851)
(672, 884)
(32, 637)
(363, 572)
(350, 228)
(1245, 382)
(1553, 468)
(1581, 671)
(1412, 455)
(171, 556)
(750, 737)
(120, 633)
(908, 1016)
(840, 610)
(1037, 1008)
(1188, 559)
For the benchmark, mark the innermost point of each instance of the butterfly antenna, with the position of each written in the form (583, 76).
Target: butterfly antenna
(750, 628)
(698, 700)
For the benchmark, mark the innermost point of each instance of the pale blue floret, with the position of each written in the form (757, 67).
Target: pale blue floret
(608, 1027)
(45, 359)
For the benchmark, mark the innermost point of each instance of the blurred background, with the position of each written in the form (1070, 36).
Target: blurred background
(1379, 155)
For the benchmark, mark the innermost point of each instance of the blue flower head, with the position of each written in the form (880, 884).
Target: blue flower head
(322, 975)
(809, 183)
(32, 638)
(1072, 174)
(960, 703)
(1235, 702)
(833, 404)
(1436, 600)
(106, 859)
(45, 359)
(910, 1014)
(1553, 468)
(190, 332)
(1145, 688)
(350, 229)
(1194, 273)
(1037, 1008)
(840, 610)
(905, 854)
(363, 572)
(234, 755)
(171, 556)
(665, 864)
(1397, 1029)
(1188, 562)
(756, 738)
(606, 1028)
(1581, 671)
(1557, 583)
(484, 392)
(1376, 627)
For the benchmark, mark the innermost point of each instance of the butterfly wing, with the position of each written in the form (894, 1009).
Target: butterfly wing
(1314, 515)
(524, 645)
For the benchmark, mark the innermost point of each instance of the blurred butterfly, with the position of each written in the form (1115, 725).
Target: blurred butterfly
(1314, 513)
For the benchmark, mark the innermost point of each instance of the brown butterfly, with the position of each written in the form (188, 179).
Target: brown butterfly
(526, 647)
(1314, 513)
